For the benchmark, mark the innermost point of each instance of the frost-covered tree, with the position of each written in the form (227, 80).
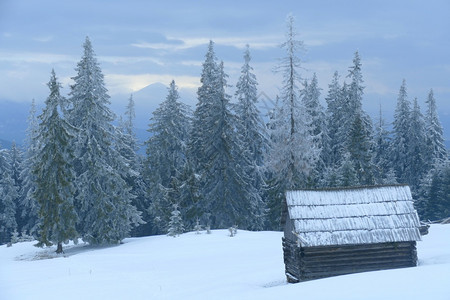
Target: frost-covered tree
(8, 196)
(400, 142)
(167, 156)
(127, 145)
(206, 95)
(252, 133)
(216, 152)
(292, 156)
(417, 148)
(29, 205)
(310, 99)
(54, 173)
(227, 192)
(103, 196)
(437, 153)
(16, 162)
(359, 133)
(175, 227)
(347, 173)
(331, 153)
(360, 149)
(382, 162)
(436, 204)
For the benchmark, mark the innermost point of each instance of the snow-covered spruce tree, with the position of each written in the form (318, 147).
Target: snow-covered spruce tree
(310, 98)
(252, 132)
(8, 196)
(16, 162)
(206, 95)
(435, 160)
(29, 205)
(166, 156)
(359, 132)
(417, 150)
(331, 153)
(54, 173)
(292, 156)
(400, 142)
(437, 153)
(227, 191)
(437, 204)
(347, 175)
(127, 145)
(103, 196)
(360, 149)
(175, 226)
(382, 162)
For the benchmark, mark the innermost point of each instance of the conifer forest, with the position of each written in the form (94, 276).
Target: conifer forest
(220, 164)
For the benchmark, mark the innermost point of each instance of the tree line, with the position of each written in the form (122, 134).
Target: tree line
(219, 165)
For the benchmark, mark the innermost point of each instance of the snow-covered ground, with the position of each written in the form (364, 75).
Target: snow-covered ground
(215, 266)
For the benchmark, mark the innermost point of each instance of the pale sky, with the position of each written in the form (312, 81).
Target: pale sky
(143, 42)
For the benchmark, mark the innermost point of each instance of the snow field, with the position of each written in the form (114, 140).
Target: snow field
(216, 266)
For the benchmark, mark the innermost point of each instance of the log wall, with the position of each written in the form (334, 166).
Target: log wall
(307, 263)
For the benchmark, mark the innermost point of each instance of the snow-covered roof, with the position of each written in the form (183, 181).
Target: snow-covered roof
(348, 216)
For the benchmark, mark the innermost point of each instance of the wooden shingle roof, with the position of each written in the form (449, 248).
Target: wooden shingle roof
(351, 216)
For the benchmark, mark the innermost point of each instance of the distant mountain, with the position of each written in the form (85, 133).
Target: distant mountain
(146, 101)
(5, 144)
(13, 121)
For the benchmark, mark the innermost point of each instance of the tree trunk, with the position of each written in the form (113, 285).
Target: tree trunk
(59, 249)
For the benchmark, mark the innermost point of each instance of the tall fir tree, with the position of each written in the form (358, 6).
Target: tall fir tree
(436, 162)
(359, 133)
(436, 205)
(382, 161)
(29, 205)
(334, 120)
(226, 192)
(16, 161)
(437, 152)
(360, 149)
(417, 149)
(347, 173)
(292, 157)
(252, 132)
(8, 196)
(167, 157)
(54, 173)
(400, 142)
(313, 108)
(127, 145)
(206, 94)
(103, 196)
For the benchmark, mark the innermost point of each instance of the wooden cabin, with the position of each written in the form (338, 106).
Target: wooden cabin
(341, 231)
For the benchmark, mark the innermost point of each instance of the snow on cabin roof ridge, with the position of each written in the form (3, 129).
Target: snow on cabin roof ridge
(348, 195)
(354, 215)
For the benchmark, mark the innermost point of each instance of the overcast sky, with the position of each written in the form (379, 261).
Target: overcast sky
(142, 42)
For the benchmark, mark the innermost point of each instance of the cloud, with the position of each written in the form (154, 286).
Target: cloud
(180, 43)
(124, 83)
(130, 59)
(36, 57)
(43, 39)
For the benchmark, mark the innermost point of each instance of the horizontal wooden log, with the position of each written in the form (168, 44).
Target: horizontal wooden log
(315, 274)
(357, 256)
(356, 248)
(304, 267)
